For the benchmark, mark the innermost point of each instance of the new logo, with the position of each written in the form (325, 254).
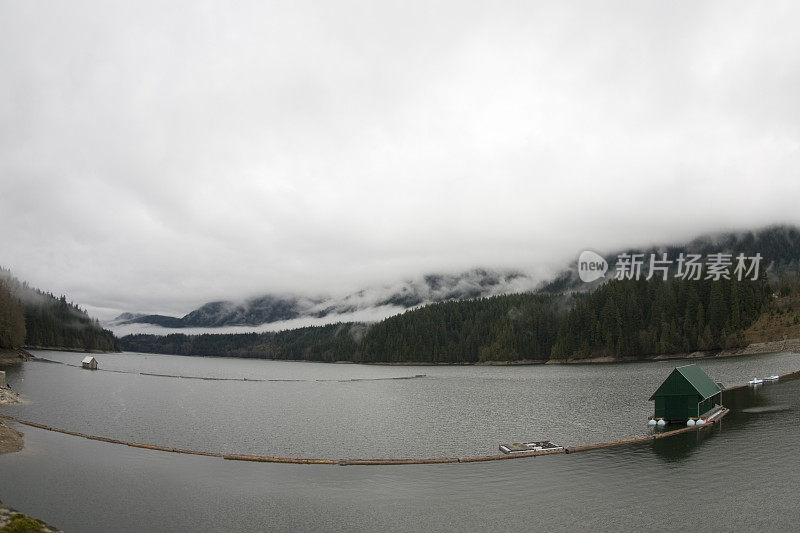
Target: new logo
(591, 266)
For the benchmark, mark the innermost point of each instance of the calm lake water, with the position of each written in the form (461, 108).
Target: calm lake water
(740, 476)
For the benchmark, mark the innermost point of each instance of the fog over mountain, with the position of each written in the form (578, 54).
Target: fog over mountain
(779, 246)
(369, 304)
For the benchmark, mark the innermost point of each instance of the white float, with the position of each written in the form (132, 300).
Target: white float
(700, 422)
(651, 422)
(662, 422)
(690, 422)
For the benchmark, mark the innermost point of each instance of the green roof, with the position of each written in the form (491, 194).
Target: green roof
(692, 375)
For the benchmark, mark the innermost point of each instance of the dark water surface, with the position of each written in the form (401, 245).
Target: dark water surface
(741, 476)
(453, 411)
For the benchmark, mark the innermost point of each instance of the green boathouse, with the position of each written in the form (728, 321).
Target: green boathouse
(687, 393)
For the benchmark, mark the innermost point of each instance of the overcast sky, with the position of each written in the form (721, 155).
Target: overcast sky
(157, 155)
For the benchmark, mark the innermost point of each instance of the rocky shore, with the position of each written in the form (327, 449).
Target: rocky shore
(785, 345)
(12, 520)
(9, 397)
(13, 356)
(10, 439)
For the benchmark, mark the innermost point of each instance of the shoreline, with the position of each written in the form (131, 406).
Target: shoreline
(10, 439)
(58, 349)
(786, 345)
(756, 348)
(17, 356)
(14, 356)
(17, 521)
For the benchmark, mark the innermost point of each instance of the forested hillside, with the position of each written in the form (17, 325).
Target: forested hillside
(623, 318)
(632, 318)
(512, 327)
(31, 317)
(12, 318)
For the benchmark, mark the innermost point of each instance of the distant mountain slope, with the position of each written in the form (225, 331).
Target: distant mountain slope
(430, 288)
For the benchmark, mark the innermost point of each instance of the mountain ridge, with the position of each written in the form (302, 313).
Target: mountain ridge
(778, 244)
(268, 308)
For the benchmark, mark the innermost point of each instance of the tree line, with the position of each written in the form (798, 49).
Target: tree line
(12, 319)
(329, 343)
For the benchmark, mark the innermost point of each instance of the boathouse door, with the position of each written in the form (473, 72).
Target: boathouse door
(676, 407)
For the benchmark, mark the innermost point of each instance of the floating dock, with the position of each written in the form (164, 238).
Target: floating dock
(708, 416)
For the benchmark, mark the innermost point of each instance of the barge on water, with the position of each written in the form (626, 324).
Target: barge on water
(538, 446)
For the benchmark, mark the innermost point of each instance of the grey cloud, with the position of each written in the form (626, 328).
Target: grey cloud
(156, 156)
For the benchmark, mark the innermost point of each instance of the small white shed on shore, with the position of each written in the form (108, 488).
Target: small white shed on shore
(89, 362)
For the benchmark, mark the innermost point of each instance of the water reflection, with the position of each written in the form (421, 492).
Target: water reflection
(680, 447)
(767, 409)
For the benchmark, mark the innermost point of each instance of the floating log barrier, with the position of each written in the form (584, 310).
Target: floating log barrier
(609, 444)
(408, 461)
(149, 447)
(196, 452)
(712, 421)
(385, 461)
(272, 459)
(251, 380)
(104, 439)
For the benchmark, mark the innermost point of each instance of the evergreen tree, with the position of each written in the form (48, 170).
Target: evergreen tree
(12, 319)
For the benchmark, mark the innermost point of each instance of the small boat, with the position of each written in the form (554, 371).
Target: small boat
(772, 378)
(755, 381)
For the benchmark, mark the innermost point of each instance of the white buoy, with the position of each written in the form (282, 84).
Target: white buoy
(700, 422)
(690, 422)
(662, 422)
(651, 422)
